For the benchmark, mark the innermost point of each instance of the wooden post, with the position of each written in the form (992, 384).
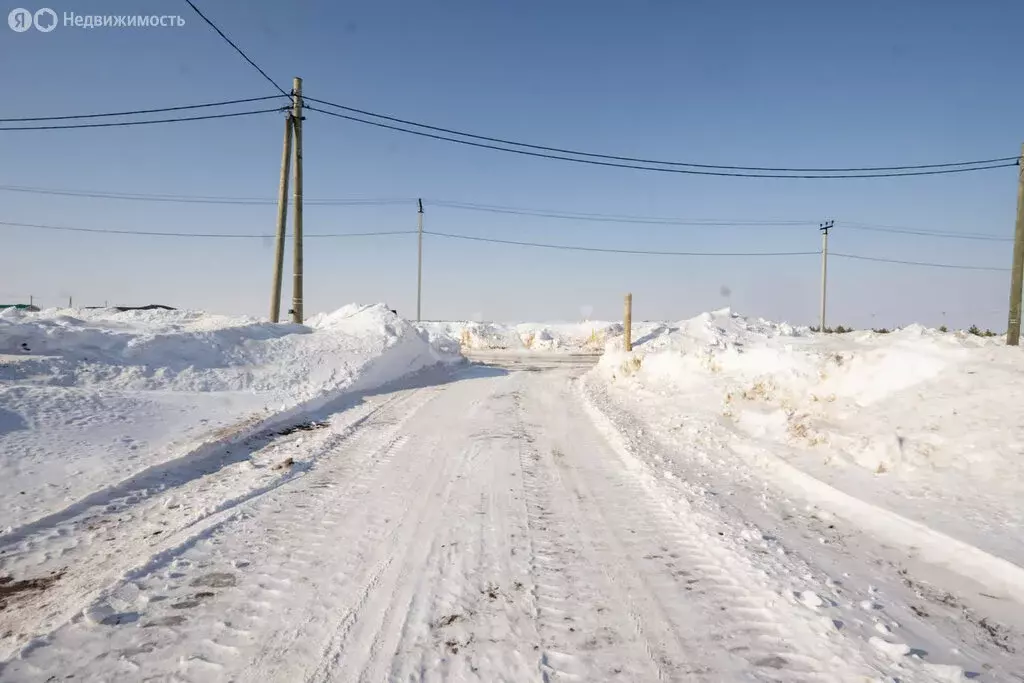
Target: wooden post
(419, 267)
(628, 323)
(297, 301)
(1017, 273)
(282, 220)
(824, 227)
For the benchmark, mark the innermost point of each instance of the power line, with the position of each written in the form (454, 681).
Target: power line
(637, 160)
(149, 233)
(685, 171)
(917, 263)
(567, 247)
(563, 247)
(201, 199)
(385, 201)
(237, 49)
(138, 111)
(363, 234)
(927, 233)
(116, 124)
(490, 208)
(612, 218)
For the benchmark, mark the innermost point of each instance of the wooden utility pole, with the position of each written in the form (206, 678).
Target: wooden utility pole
(297, 197)
(1017, 273)
(282, 220)
(69, 302)
(419, 265)
(824, 227)
(628, 323)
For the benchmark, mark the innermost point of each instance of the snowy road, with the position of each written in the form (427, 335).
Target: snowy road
(482, 528)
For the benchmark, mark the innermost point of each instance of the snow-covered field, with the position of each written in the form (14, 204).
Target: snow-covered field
(193, 497)
(92, 397)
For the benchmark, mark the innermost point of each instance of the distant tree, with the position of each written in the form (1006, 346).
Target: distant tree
(881, 330)
(943, 329)
(973, 329)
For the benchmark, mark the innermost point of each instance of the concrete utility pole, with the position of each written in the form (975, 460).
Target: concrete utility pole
(1017, 273)
(628, 323)
(297, 196)
(824, 227)
(419, 268)
(282, 220)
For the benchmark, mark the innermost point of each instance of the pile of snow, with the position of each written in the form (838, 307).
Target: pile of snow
(90, 397)
(917, 422)
(911, 399)
(480, 336)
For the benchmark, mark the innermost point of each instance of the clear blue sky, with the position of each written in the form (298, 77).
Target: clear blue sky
(796, 83)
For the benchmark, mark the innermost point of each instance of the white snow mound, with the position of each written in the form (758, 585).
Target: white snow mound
(87, 399)
(481, 336)
(913, 398)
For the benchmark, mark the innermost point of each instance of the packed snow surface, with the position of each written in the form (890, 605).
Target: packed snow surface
(734, 499)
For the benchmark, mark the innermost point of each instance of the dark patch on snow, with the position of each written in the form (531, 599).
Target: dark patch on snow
(774, 662)
(304, 427)
(448, 620)
(216, 580)
(122, 618)
(9, 588)
(185, 604)
(170, 620)
(999, 635)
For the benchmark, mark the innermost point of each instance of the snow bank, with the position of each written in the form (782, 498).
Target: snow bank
(480, 336)
(918, 422)
(89, 397)
(914, 398)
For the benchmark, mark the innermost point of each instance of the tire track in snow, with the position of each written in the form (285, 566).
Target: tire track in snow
(281, 535)
(392, 559)
(146, 525)
(646, 628)
(469, 617)
(367, 632)
(580, 637)
(751, 631)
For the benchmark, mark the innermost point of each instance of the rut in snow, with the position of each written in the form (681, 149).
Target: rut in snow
(477, 530)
